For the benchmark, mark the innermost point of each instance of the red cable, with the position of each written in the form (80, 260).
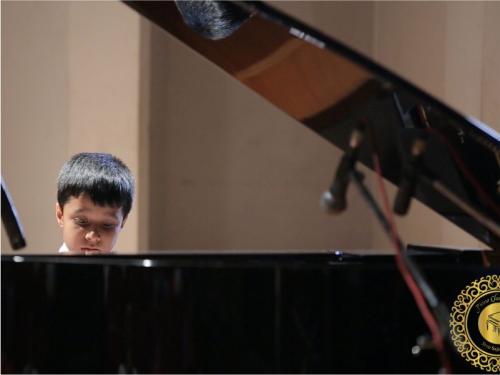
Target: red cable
(484, 257)
(429, 319)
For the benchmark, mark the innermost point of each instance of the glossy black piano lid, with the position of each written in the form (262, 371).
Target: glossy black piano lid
(330, 88)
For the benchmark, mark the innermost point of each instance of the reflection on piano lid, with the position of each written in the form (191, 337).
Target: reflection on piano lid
(330, 88)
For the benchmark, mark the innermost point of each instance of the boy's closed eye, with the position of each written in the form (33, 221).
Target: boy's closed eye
(81, 221)
(109, 226)
(84, 223)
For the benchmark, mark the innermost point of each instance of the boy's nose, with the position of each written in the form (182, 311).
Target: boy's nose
(92, 236)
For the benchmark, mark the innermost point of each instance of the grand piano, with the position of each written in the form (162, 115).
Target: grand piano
(279, 311)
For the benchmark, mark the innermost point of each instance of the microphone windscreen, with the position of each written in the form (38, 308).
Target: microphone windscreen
(212, 19)
(332, 204)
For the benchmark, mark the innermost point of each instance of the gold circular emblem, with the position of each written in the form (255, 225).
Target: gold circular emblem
(475, 323)
(488, 323)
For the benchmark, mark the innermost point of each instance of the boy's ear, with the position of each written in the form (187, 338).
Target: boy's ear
(123, 221)
(59, 215)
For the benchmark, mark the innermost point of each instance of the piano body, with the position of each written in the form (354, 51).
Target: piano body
(276, 311)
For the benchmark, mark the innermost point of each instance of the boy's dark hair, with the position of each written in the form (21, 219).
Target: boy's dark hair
(103, 177)
(212, 19)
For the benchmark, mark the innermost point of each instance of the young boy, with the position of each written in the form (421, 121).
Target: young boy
(94, 196)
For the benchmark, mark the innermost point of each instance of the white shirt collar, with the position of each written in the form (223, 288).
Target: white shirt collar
(64, 248)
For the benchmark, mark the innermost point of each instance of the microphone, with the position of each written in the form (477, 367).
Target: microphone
(334, 200)
(408, 183)
(11, 221)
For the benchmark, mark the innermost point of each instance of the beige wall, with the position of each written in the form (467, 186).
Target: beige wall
(35, 110)
(104, 57)
(490, 88)
(230, 171)
(217, 166)
(64, 91)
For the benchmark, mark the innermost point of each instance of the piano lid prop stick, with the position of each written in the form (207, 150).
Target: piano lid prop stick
(460, 203)
(408, 181)
(11, 220)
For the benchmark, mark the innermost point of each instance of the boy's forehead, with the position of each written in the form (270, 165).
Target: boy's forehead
(83, 204)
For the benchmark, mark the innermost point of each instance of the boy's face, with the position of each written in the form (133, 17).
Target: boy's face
(89, 228)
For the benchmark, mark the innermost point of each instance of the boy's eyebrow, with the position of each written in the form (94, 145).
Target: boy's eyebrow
(114, 216)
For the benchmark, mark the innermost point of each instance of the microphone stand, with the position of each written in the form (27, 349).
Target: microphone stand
(439, 309)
